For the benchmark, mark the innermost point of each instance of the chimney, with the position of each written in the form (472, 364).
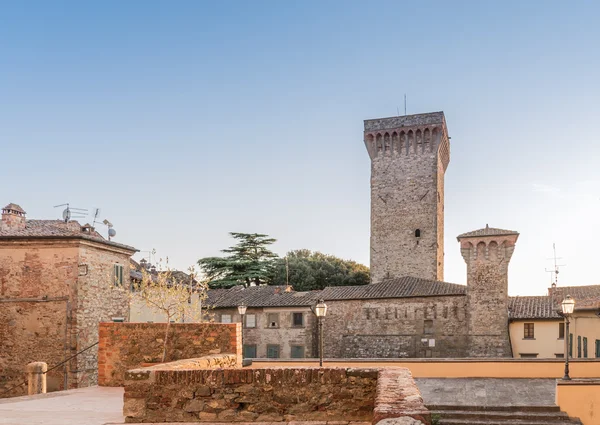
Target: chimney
(13, 217)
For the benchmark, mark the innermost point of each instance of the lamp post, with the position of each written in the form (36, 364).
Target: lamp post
(321, 311)
(568, 305)
(242, 310)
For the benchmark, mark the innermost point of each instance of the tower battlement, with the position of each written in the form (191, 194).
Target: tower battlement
(409, 157)
(408, 135)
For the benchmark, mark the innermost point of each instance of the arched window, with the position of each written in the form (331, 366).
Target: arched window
(418, 233)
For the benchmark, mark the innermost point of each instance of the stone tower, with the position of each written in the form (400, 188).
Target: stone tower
(409, 156)
(487, 253)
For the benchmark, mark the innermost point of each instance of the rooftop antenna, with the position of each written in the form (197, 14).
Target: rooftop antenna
(287, 271)
(71, 212)
(554, 273)
(96, 215)
(404, 104)
(111, 232)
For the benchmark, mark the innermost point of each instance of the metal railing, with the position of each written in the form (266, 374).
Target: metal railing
(50, 369)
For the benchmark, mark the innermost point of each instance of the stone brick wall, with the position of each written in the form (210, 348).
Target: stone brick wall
(34, 331)
(248, 395)
(409, 156)
(399, 397)
(336, 395)
(283, 336)
(98, 301)
(65, 291)
(487, 259)
(124, 346)
(396, 328)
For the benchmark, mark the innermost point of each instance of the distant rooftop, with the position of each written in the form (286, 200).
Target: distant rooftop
(56, 229)
(488, 231)
(277, 296)
(14, 207)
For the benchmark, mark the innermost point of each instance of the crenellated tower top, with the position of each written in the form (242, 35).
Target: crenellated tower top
(408, 135)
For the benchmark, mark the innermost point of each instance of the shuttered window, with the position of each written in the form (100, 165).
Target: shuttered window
(118, 275)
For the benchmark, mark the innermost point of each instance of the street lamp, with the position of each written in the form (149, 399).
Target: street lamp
(321, 311)
(242, 310)
(568, 305)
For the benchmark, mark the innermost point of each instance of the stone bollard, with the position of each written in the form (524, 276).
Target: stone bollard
(36, 376)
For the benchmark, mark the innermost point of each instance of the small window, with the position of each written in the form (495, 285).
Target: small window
(297, 352)
(250, 320)
(528, 355)
(585, 353)
(528, 331)
(225, 318)
(560, 355)
(579, 346)
(561, 331)
(273, 320)
(272, 351)
(418, 233)
(250, 351)
(118, 275)
(297, 319)
(428, 327)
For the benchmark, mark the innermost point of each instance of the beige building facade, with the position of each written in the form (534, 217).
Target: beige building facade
(537, 327)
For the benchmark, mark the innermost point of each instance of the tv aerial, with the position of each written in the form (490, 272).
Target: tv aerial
(111, 231)
(72, 212)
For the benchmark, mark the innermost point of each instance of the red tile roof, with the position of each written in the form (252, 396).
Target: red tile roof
(56, 229)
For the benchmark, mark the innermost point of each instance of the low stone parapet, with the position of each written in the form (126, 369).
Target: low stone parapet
(398, 399)
(125, 346)
(333, 395)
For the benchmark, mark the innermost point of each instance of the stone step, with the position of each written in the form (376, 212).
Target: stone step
(503, 422)
(483, 408)
(506, 417)
(550, 417)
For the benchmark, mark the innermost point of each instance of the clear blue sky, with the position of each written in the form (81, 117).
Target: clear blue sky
(186, 120)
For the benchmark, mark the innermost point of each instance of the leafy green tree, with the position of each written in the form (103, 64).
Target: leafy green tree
(249, 261)
(314, 270)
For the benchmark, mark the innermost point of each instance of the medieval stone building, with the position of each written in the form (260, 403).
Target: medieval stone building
(407, 310)
(56, 285)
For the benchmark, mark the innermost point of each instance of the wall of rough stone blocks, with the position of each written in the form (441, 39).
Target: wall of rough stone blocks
(34, 331)
(248, 395)
(52, 331)
(98, 301)
(124, 346)
(487, 261)
(284, 336)
(396, 328)
(408, 162)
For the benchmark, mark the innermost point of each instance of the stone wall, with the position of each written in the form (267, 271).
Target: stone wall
(283, 336)
(396, 328)
(124, 346)
(487, 259)
(409, 156)
(338, 395)
(98, 301)
(239, 395)
(54, 293)
(35, 331)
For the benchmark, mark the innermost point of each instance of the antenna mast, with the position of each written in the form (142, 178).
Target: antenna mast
(554, 273)
(404, 104)
(287, 271)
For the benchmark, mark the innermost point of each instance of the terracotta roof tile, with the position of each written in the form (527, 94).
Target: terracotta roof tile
(537, 307)
(54, 229)
(404, 287)
(14, 207)
(487, 231)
